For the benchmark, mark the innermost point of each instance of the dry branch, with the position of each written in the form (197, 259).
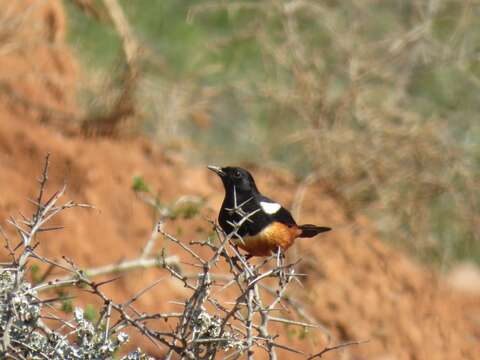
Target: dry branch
(125, 105)
(206, 327)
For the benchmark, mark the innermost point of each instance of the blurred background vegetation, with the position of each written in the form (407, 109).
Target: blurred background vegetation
(377, 100)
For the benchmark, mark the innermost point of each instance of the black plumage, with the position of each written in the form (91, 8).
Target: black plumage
(242, 199)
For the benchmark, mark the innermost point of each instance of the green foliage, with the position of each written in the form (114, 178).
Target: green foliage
(185, 210)
(182, 208)
(296, 333)
(380, 99)
(35, 273)
(139, 185)
(66, 302)
(90, 313)
(98, 44)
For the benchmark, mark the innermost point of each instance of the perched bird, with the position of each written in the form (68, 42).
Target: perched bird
(265, 225)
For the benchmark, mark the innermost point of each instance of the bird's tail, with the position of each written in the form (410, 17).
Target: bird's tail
(309, 230)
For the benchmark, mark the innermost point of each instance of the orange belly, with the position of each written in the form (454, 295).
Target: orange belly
(269, 239)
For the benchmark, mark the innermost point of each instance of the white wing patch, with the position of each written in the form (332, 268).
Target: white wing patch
(270, 207)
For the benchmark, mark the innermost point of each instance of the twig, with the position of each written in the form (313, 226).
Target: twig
(124, 266)
(336, 347)
(204, 327)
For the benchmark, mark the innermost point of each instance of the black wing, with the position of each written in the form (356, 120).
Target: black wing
(282, 215)
(258, 221)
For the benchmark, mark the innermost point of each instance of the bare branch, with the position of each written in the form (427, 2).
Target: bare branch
(336, 347)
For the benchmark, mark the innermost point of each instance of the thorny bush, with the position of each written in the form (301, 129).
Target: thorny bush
(207, 326)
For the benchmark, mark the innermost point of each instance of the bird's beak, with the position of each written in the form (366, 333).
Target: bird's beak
(217, 170)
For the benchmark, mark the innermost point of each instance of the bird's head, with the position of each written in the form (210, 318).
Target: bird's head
(235, 178)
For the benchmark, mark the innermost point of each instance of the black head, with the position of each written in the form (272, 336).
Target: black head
(235, 177)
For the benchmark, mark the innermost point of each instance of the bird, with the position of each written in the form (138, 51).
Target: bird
(261, 224)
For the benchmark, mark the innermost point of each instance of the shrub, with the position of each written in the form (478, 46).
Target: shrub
(206, 326)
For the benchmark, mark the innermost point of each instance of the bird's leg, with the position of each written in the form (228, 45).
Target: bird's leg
(280, 256)
(236, 258)
(280, 264)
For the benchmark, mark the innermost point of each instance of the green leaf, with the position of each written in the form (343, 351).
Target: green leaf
(90, 312)
(67, 304)
(35, 271)
(139, 185)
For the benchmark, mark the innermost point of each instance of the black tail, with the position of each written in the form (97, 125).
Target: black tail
(309, 230)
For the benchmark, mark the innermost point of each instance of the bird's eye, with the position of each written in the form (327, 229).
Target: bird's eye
(237, 174)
